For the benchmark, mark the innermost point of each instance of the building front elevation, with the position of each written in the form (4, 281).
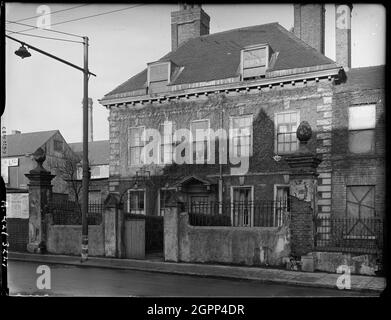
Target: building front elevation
(246, 91)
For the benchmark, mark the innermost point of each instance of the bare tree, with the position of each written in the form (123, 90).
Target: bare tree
(67, 170)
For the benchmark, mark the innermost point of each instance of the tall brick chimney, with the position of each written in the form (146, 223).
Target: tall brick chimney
(309, 24)
(343, 35)
(189, 22)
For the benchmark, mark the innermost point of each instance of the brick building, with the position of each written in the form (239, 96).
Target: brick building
(98, 157)
(18, 157)
(263, 81)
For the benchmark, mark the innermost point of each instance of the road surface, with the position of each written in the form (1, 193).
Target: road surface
(68, 280)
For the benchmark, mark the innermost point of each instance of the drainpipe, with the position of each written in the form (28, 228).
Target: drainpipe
(221, 171)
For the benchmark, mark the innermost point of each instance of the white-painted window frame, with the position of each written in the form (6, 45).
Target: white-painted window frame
(129, 146)
(193, 160)
(276, 130)
(165, 144)
(231, 118)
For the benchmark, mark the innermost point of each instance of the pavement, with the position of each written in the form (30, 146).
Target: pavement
(266, 275)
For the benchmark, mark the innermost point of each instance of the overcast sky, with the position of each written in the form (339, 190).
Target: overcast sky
(43, 94)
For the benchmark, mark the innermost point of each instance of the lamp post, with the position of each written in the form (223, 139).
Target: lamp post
(23, 53)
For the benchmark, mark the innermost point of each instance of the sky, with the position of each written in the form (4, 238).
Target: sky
(44, 94)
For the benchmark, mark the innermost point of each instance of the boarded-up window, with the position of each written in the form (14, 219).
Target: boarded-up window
(158, 77)
(360, 201)
(254, 62)
(362, 122)
(136, 144)
(286, 125)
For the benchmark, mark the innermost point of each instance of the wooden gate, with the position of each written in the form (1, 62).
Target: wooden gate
(134, 237)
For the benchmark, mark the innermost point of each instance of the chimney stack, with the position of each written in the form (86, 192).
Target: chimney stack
(189, 22)
(309, 24)
(343, 35)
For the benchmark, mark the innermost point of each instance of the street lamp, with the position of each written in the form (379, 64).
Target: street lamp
(23, 53)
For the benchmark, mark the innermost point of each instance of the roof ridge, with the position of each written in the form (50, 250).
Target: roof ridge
(236, 29)
(216, 33)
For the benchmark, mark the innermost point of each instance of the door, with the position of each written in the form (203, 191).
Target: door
(242, 206)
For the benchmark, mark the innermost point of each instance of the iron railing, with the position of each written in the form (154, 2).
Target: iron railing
(361, 235)
(238, 214)
(69, 213)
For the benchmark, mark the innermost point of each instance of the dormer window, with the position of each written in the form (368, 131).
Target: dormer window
(255, 61)
(159, 74)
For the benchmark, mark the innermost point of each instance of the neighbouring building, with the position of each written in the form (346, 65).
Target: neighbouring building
(17, 159)
(263, 81)
(98, 157)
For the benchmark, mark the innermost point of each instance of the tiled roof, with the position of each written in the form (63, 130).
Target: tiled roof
(217, 56)
(364, 78)
(24, 143)
(98, 151)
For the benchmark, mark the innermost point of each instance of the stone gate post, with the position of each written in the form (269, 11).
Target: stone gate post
(303, 192)
(113, 227)
(40, 194)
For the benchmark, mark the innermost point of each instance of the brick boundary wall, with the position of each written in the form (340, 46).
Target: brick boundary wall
(302, 227)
